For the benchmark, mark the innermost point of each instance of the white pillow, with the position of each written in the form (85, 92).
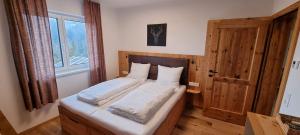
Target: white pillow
(169, 75)
(139, 71)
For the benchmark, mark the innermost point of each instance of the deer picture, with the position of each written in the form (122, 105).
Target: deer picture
(156, 34)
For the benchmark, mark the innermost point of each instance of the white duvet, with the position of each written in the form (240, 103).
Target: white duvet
(141, 104)
(105, 91)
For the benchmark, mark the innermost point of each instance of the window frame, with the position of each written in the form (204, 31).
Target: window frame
(67, 68)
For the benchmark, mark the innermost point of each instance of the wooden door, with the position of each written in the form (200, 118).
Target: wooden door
(235, 53)
(273, 65)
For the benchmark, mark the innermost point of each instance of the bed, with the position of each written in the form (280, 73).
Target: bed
(80, 118)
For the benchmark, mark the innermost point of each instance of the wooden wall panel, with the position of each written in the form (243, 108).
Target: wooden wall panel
(197, 68)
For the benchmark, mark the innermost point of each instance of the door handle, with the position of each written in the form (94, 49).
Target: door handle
(237, 76)
(212, 71)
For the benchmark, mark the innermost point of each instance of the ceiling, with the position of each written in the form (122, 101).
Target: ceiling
(130, 3)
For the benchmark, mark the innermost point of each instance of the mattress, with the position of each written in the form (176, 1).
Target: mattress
(118, 124)
(78, 107)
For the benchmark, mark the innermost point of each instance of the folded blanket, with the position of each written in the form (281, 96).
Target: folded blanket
(102, 92)
(141, 104)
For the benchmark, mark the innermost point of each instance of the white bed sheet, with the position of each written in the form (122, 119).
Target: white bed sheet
(118, 124)
(123, 126)
(101, 92)
(83, 108)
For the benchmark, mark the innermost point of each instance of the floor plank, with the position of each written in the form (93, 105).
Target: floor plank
(5, 127)
(192, 122)
(51, 127)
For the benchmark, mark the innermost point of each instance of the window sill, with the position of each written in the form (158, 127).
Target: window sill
(60, 74)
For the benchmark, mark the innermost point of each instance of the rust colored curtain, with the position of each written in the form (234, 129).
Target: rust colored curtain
(32, 51)
(92, 16)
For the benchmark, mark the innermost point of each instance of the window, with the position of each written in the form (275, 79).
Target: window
(76, 40)
(69, 43)
(56, 46)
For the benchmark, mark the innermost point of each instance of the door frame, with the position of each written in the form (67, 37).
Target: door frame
(290, 54)
(266, 95)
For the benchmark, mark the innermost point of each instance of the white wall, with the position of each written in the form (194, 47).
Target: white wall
(281, 4)
(111, 40)
(73, 7)
(186, 20)
(11, 101)
(291, 97)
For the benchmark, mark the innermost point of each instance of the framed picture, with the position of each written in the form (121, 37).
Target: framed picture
(156, 34)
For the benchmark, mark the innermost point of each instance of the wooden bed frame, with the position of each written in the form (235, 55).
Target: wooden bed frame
(75, 124)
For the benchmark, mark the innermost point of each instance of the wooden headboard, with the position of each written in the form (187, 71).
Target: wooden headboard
(198, 71)
(164, 61)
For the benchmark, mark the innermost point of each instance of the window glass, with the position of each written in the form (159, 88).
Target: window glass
(56, 46)
(76, 42)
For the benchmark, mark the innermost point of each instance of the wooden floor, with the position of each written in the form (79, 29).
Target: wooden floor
(192, 122)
